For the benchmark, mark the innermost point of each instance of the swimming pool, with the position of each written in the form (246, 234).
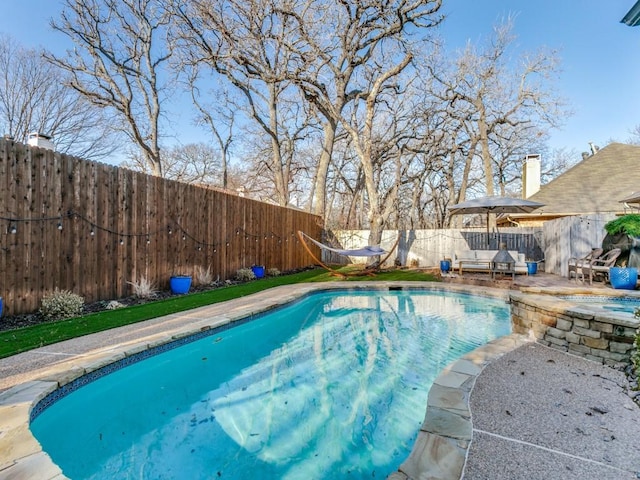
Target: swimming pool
(332, 386)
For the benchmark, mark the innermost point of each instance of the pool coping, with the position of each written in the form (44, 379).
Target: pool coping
(438, 452)
(442, 446)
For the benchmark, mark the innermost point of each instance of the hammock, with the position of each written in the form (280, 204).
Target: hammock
(368, 251)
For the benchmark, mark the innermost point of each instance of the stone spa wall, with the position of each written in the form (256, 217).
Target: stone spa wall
(580, 329)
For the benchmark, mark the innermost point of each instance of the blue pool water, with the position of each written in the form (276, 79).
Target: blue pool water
(332, 386)
(622, 305)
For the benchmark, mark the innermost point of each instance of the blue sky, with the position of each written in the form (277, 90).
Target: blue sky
(600, 72)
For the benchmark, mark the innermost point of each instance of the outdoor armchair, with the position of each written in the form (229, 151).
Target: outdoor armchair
(598, 268)
(575, 263)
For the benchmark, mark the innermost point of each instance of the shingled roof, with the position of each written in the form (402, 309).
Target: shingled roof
(595, 185)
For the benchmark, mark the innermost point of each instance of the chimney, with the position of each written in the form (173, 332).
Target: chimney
(40, 140)
(594, 148)
(530, 175)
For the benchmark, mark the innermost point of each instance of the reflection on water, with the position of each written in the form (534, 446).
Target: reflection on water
(334, 386)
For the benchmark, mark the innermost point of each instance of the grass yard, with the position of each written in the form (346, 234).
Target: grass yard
(27, 338)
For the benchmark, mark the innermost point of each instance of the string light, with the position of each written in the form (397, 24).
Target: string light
(122, 236)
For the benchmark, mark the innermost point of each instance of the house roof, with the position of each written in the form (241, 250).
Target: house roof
(632, 18)
(595, 185)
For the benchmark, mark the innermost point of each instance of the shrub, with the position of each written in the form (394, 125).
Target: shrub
(114, 305)
(273, 272)
(143, 288)
(628, 224)
(203, 277)
(245, 274)
(61, 304)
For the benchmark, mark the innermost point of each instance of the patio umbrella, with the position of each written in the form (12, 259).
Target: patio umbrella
(495, 205)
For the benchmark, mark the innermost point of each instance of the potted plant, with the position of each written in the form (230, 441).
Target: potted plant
(258, 270)
(624, 233)
(180, 284)
(625, 278)
(445, 265)
(532, 266)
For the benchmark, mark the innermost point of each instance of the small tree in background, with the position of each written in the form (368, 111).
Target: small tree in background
(32, 99)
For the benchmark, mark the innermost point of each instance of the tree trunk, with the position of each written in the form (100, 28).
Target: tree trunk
(376, 227)
(280, 174)
(320, 183)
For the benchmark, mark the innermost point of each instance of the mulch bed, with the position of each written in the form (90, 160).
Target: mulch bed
(10, 322)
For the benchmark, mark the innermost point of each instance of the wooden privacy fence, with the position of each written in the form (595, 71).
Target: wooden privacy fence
(92, 228)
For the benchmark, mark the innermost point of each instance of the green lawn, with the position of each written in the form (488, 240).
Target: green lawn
(27, 338)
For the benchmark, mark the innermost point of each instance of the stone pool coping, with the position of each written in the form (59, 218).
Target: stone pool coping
(438, 452)
(441, 449)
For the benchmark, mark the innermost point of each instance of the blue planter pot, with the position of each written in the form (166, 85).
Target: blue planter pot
(623, 278)
(445, 266)
(532, 268)
(258, 271)
(180, 284)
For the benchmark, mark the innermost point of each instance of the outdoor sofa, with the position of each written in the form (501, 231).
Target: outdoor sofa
(480, 261)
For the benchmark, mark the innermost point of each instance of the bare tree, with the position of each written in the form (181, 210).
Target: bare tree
(337, 42)
(219, 120)
(196, 163)
(344, 56)
(498, 102)
(244, 42)
(255, 157)
(556, 162)
(373, 140)
(32, 99)
(509, 147)
(345, 188)
(122, 48)
(634, 139)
